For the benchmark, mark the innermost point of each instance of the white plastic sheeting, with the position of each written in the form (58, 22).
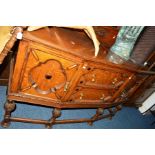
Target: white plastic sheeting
(148, 103)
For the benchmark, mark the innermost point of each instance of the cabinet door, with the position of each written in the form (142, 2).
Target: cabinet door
(45, 74)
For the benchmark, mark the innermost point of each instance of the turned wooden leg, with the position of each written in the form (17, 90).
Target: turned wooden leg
(55, 114)
(119, 107)
(9, 107)
(99, 112)
(111, 113)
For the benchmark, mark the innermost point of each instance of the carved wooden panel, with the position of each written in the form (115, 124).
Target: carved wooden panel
(46, 75)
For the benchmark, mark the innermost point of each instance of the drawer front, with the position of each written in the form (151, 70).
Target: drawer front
(103, 79)
(46, 75)
(88, 94)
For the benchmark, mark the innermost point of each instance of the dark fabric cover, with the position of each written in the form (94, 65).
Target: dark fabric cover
(145, 45)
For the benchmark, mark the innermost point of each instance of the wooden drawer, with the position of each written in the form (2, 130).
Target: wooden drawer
(89, 94)
(103, 79)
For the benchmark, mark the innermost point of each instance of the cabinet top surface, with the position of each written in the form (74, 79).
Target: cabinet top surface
(66, 39)
(71, 41)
